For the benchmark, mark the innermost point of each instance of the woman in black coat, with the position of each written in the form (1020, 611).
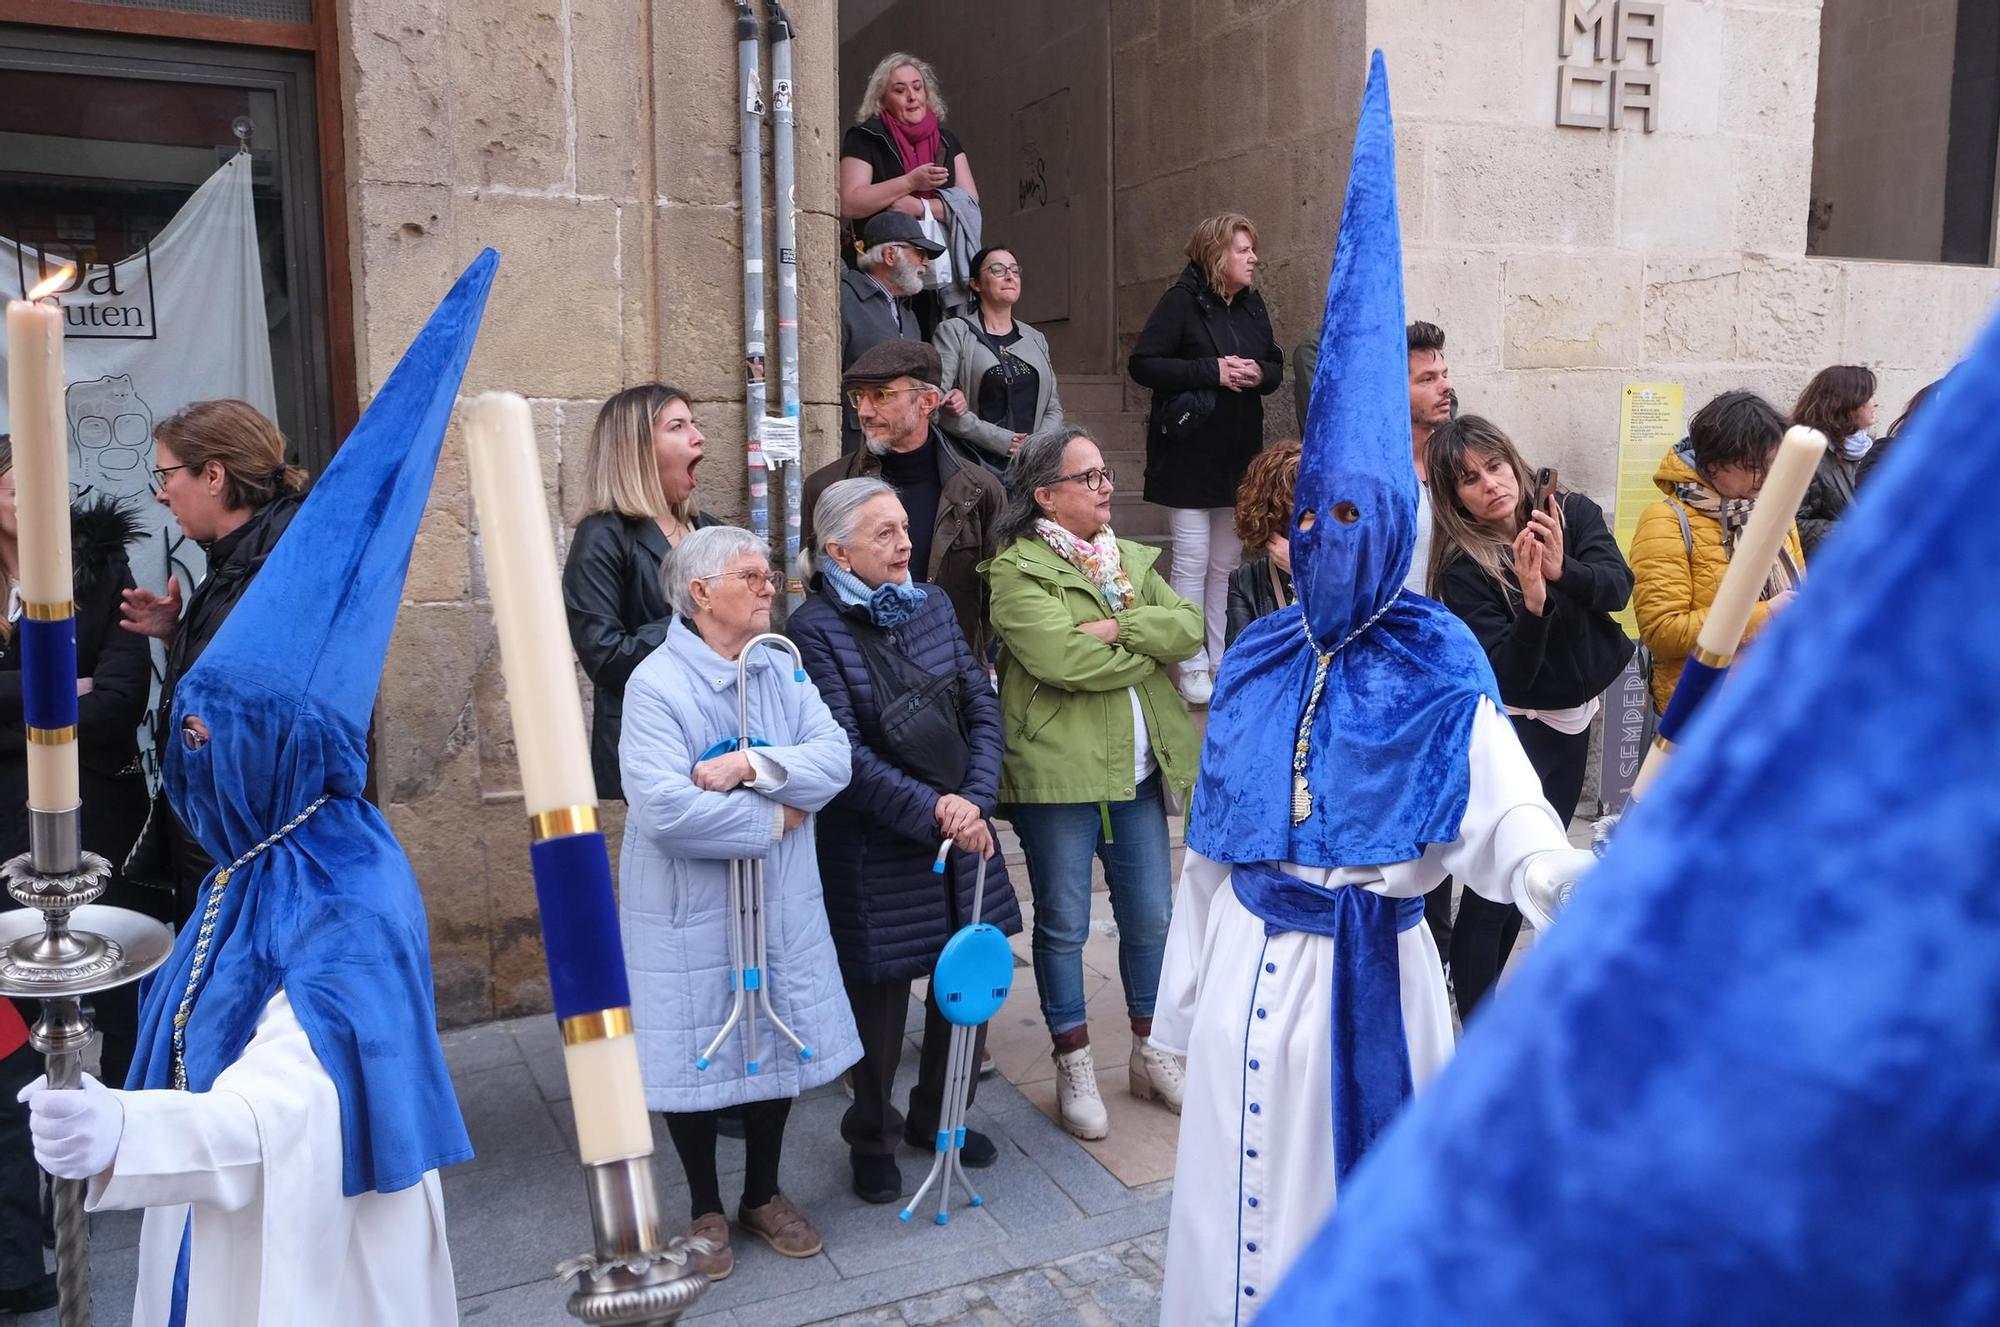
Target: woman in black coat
(638, 502)
(220, 468)
(114, 671)
(865, 630)
(1538, 586)
(1264, 524)
(1209, 356)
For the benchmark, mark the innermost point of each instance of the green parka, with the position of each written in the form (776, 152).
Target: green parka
(1062, 692)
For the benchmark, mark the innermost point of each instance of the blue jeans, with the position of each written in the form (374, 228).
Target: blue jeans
(1059, 839)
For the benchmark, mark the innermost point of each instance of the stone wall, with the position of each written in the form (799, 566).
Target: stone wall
(1885, 76)
(594, 143)
(1564, 263)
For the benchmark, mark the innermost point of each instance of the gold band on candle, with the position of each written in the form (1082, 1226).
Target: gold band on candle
(561, 821)
(49, 612)
(1708, 658)
(603, 1024)
(52, 736)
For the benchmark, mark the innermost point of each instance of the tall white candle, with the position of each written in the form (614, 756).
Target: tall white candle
(41, 487)
(1757, 547)
(520, 551)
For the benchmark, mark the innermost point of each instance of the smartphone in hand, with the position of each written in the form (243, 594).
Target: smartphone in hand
(1545, 487)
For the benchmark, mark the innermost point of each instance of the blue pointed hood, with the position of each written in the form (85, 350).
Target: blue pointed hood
(1753, 1075)
(331, 913)
(1354, 519)
(1378, 685)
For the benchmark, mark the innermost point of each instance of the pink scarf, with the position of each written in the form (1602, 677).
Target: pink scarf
(919, 144)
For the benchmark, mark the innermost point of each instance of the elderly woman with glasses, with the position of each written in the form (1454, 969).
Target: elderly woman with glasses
(1001, 380)
(1097, 742)
(892, 665)
(695, 803)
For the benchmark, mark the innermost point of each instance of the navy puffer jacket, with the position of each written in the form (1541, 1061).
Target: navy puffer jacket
(877, 839)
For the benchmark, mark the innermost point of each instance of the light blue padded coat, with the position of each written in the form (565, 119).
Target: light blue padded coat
(674, 876)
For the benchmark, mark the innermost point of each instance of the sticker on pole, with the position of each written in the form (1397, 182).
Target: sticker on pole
(780, 436)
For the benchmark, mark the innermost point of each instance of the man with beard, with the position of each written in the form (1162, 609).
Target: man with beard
(953, 505)
(875, 296)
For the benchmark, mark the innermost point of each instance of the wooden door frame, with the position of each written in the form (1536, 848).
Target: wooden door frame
(321, 40)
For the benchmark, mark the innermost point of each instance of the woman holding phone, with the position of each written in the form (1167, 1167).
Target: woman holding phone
(1535, 573)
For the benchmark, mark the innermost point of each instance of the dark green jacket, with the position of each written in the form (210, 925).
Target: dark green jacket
(1067, 721)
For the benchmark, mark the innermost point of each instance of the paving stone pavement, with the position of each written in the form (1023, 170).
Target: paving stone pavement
(1116, 1286)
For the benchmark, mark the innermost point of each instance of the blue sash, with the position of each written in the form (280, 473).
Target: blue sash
(1371, 1054)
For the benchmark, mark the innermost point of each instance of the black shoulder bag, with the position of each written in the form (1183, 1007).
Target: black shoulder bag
(922, 731)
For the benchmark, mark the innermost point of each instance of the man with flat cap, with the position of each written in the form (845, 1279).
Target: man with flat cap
(953, 504)
(875, 295)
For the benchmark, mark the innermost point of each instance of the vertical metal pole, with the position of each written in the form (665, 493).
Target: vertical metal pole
(61, 1034)
(785, 182)
(750, 86)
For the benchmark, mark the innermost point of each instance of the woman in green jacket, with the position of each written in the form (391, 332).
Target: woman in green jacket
(1097, 740)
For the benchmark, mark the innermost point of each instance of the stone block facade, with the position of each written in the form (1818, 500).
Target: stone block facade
(595, 144)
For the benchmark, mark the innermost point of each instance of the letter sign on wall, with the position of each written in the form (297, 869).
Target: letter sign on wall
(1600, 94)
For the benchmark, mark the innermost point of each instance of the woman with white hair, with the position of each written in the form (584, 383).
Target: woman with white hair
(924, 728)
(898, 155)
(696, 802)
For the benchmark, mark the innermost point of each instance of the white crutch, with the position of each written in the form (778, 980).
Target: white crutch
(971, 981)
(750, 992)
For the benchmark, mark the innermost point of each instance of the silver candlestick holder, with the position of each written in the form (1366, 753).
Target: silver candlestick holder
(61, 947)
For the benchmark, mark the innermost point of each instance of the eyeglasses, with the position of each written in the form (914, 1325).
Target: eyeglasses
(752, 580)
(160, 473)
(876, 396)
(1090, 479)
(1002, 269)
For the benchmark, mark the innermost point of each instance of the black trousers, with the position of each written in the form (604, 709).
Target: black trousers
(872, 1125)
(1485, 932)
(693, 1133)
(20, 1177)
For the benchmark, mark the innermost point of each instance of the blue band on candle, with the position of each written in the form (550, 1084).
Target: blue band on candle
(580, 924)
(1696, 681)
(48, 672)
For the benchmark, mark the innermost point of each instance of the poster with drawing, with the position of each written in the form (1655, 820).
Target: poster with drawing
(180, 320)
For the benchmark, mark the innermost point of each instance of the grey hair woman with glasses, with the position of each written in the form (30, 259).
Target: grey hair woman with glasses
(1001, 384)
(1098, 743)
(696, 802)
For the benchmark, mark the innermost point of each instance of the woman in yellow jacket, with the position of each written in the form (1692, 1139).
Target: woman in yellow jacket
(1683, 543)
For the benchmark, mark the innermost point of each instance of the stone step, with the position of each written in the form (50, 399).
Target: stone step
(1092, 393)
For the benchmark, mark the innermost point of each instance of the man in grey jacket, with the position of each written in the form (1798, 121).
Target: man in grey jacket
(875, 296)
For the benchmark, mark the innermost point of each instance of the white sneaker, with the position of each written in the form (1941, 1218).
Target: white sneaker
(1195, 686)
(1157, 1074)
(1082, 1110)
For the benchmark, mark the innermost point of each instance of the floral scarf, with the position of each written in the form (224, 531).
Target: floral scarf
(1732, 514)
(1096, 558)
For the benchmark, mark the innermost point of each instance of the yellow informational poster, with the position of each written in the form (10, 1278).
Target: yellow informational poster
(1651, 420)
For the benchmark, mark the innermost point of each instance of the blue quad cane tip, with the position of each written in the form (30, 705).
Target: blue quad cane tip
(805, 1052)
(701, 1062)
(903, 1215)
(751, 1067)
(977, 1201)
(943, 1217)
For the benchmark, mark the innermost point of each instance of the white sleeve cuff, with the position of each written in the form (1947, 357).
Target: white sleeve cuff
(771, 776)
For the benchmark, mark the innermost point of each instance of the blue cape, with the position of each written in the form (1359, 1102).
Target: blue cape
(1753, 1075)
(331, 913)
(1387, 750)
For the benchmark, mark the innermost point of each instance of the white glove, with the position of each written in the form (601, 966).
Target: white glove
(1548, 880)
(76, 1133)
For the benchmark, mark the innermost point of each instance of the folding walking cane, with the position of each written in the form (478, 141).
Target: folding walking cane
(751, 993)
(970, 983)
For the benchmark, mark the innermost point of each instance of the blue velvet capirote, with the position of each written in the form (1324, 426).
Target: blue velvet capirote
(331, 913)
(1752, 1076)
(1386, 767)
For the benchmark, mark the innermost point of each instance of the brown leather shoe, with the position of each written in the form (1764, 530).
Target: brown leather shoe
(782, 1226)
(719, 1264)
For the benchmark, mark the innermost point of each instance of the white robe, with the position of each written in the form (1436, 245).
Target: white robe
(275, 1242)
(1254, 1177)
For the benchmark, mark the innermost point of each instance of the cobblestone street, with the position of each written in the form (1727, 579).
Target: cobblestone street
(1116, 1286)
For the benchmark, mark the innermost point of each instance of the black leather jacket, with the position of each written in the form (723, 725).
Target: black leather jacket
(1251, 596)
(618, 615)
(167, 855)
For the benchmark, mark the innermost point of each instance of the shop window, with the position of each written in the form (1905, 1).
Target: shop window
(103, 139)
(1906, 139)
